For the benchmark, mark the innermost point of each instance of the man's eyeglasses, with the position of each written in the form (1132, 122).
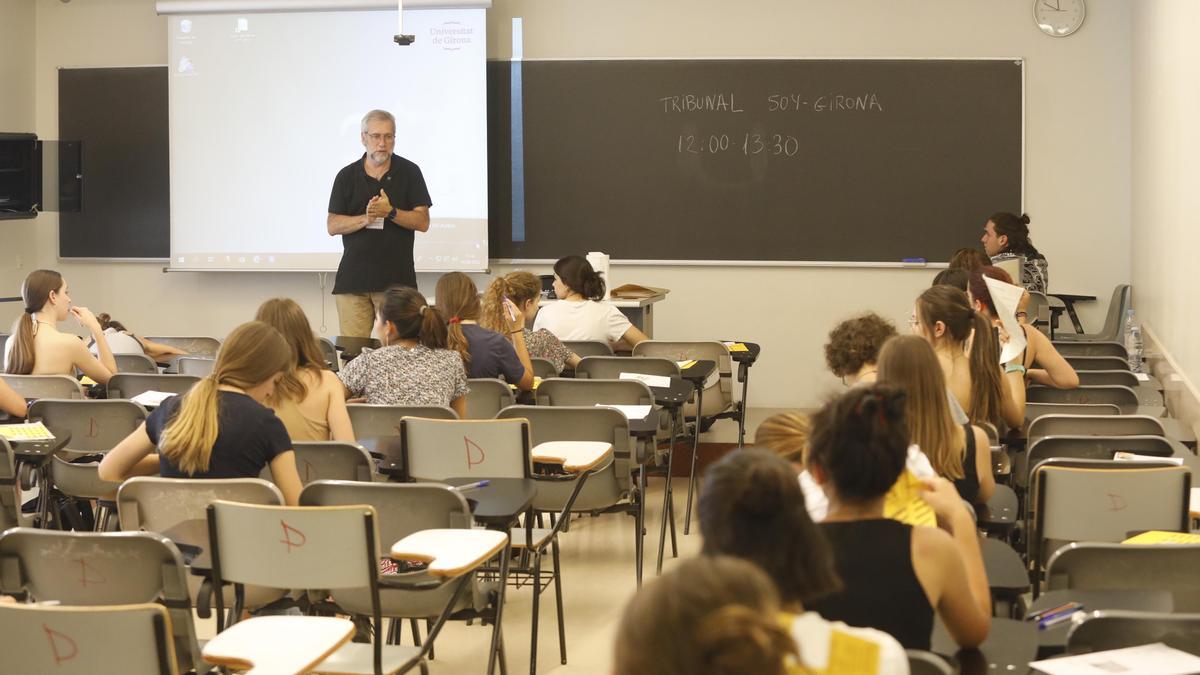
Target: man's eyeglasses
(382, 137)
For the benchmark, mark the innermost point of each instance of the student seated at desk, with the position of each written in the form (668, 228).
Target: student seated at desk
(486, 352)
(1006, 237)
(959, 453)
(711, 615)
(11, 402)
(751, 508)
(220, 428)
(122, 341)
(309, 399)
(953, 276)
(943, 316)
(38, 348)
(969, 259)
(524, 291)
(853, 347)
(580, 313)
(414, 366)
(894, 576)
(1053, 370)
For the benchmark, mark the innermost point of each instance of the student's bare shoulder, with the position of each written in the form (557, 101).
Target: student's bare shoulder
(931, 543)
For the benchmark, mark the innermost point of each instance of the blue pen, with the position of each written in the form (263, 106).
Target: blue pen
(472, 486)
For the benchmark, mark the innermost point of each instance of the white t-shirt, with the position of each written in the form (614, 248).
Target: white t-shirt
(585, 320)
(834, 647)
(119, 343)
(818, 504)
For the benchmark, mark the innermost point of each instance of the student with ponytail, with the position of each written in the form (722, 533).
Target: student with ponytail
(523, 290)
(309, 399)
(895, 577)
(960, 453)
(414, 366)
(487, 353)
(711, 615)
(581, 313)
(943, 316)
(751, 507)
(1006, 237)
(38, 348)
(220, 428)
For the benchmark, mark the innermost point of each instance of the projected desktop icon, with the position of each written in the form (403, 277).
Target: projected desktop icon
(185, 65)
(185, 25)
(243, 25)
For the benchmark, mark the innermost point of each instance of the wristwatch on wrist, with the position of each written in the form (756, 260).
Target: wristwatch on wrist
(392, 214)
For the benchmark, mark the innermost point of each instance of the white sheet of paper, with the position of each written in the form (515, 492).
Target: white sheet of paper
(631, 412)
(1007, 297)
(1125, 456)
(1156, 658)
(660, 381)
(1194, 502)
(152, 399)
(1142, 377)
(376, 224)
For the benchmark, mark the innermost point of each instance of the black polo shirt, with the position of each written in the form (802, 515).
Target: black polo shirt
(373, 260)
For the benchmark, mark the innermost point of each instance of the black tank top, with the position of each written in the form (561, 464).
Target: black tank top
(968, 485)
(879, 586)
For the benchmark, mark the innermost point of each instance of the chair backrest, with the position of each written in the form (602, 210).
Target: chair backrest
(198, 366)
(95, 426)
(370, 421)
(1123, 378)
(611, 367)
(927, 663)
(406, 508)
(1038, 310)
(120, 640)
(80, 479)
(10, 492)
(135, 363)
(1098, 566)
(1094, 425)
(583, 348)
(155, 504)
(576, 392)
(543, 368)
(1097, 363)
(1122, 397)
(1114, 320)
(1115, 629)
(128, 385)
(1074, 349)
(439, 449)
(1104, 500)
(330, 460)
(487, 397)
(579, 423)
(1100, 447)
(329, 351)
(101, 569)
(1034, 411)
(709, 350)
(303, 547)
(194, 345)
(43, 386)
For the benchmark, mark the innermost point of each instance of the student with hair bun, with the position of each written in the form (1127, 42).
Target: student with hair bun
(751, 507)
(121, 340)
(969, 352)
(523, 290)
(1006, 237)
(221, 427)
(895, 577)
(581, 312)
(415, 365)
(37, 347)
(711, 615)
(487, 353)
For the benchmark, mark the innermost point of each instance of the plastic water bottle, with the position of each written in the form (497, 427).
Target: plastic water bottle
(1133, 342)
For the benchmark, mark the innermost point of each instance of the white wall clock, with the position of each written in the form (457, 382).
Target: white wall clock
(1059, 18)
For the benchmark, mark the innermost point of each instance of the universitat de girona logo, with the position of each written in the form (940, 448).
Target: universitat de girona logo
(451, 36)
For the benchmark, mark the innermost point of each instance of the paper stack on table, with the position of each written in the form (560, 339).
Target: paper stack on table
(1156, 658)
(35, 431)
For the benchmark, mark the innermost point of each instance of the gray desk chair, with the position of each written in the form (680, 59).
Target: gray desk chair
(95, 427)
(197, 366)
(1123, 397)
(156, 504)
(194, 345)
(1115, 629)
(98, 570)
(1094, 425)
(1149, 391)
(4, 342)
(583, 348)
(329, 351)
(128, 385)
(329, 460)
(43, 386)
(1081, 363)
(1034, 411)
(927, 663)
(404, 510)
(322, 547)
(1095, 566)
(1038, 311)
(1073, 349)
(487, 397)
(543, 368)
(1092, 447)
(135, 363)
(369, 421)
(1102, 500)
(79, 640)
(10, 492)
(1114, 321)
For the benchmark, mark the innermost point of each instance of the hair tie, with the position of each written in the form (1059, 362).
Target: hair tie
(30, 311)
(423, 308)
(454, 320)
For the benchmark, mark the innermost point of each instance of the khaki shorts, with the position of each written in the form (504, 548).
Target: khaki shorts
(356, 313)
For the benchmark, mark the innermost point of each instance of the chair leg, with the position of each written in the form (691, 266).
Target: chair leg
(537, 592)
(497, 650)
(393, 632)
(416, 632)
(667, 511)
(558, 598)
(639, 537)
(687, 514)
(429, 629)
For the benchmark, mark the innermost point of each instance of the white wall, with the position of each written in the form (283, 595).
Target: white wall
(1077, 178)
(16, 116)
(1166, 170)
